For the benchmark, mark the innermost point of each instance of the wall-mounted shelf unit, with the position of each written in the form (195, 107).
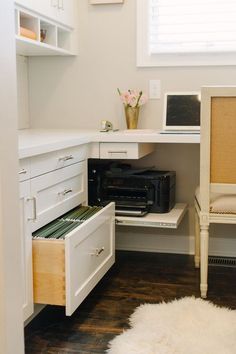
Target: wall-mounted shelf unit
(37, 36)
(169, 220)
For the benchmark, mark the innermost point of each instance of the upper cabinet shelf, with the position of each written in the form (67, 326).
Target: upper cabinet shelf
(45, 33)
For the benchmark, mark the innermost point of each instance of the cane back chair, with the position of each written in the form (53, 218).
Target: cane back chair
(215, 200)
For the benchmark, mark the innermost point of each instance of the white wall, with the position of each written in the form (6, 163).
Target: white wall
(83, 89)
(11, 314)
(79, 92)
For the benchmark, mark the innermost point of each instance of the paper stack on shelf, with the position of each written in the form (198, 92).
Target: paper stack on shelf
(25, 32)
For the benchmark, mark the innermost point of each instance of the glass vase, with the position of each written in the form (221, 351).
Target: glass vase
(131, 115)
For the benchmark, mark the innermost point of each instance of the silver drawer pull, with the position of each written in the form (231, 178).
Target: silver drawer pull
(66, 191)
(34, 218)
(118, 152)
(66, 158)
(98, 251)
(22, 172)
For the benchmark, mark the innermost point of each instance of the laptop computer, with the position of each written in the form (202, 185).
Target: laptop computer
(181, 113)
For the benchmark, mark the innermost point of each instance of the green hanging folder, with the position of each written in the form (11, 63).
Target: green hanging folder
(60, 227)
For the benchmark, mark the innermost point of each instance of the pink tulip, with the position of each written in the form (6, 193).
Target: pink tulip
(133, 98)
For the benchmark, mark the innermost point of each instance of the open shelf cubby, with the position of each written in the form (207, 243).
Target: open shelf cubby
(37, 36)
(28, 26)
(63, 38)
(48, 33)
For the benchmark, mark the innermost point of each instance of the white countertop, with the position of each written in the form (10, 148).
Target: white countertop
(38, 141)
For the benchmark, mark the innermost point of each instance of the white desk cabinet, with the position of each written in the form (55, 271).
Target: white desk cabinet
(64, 270)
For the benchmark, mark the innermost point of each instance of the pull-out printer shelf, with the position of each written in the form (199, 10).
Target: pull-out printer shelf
(169, 220)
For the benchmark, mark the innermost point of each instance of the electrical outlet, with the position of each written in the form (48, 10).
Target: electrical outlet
(154, 89)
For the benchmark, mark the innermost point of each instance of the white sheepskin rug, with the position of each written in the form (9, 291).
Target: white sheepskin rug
(185, 326)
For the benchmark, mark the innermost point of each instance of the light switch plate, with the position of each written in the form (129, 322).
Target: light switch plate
(154, 89)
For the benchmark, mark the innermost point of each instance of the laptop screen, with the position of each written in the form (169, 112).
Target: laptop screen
(182, 111)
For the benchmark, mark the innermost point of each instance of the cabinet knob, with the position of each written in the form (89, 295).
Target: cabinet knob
(22, 172)
(98, 251)
(66, 191)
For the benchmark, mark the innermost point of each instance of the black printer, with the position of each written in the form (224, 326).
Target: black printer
(134, 191)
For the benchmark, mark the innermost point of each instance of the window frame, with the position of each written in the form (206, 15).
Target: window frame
(144, 59)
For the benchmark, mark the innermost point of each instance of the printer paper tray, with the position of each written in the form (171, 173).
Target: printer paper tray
(125, 212)
(126, 208)
(169, 220)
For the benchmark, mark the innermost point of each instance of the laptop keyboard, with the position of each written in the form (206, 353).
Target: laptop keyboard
(197, 132)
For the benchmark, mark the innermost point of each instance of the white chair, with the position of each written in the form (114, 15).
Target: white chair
(215, 200)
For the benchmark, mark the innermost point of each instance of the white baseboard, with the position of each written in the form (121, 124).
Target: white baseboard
(218, 246)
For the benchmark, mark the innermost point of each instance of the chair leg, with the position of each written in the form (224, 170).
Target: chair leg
(197, 240)
(204, 241)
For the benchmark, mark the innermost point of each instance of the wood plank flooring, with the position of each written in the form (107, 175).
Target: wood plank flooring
(136, 278)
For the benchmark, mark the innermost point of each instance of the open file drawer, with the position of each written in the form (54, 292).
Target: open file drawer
(66, 270)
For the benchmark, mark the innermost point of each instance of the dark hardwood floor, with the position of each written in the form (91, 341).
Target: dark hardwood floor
(136, 278)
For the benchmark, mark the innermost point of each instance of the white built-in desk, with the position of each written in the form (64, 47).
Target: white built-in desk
(33, 142)
(53, 181)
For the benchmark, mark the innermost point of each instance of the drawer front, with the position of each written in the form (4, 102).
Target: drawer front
(57, 192)
(24, 170)
(65, 271)
(124, 150)
(89, 253)
(57, 159)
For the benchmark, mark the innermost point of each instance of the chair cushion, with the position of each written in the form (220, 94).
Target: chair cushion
(220, 203)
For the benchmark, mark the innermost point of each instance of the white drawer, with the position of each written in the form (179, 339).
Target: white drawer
(57, 159)
(57, 192)
(125, 150)
(65, 271)
(24, 169)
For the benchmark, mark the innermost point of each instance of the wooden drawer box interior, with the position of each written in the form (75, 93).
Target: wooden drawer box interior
(49, 272)
(71, 254)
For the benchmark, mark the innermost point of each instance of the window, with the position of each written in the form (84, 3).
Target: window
(186, 32)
